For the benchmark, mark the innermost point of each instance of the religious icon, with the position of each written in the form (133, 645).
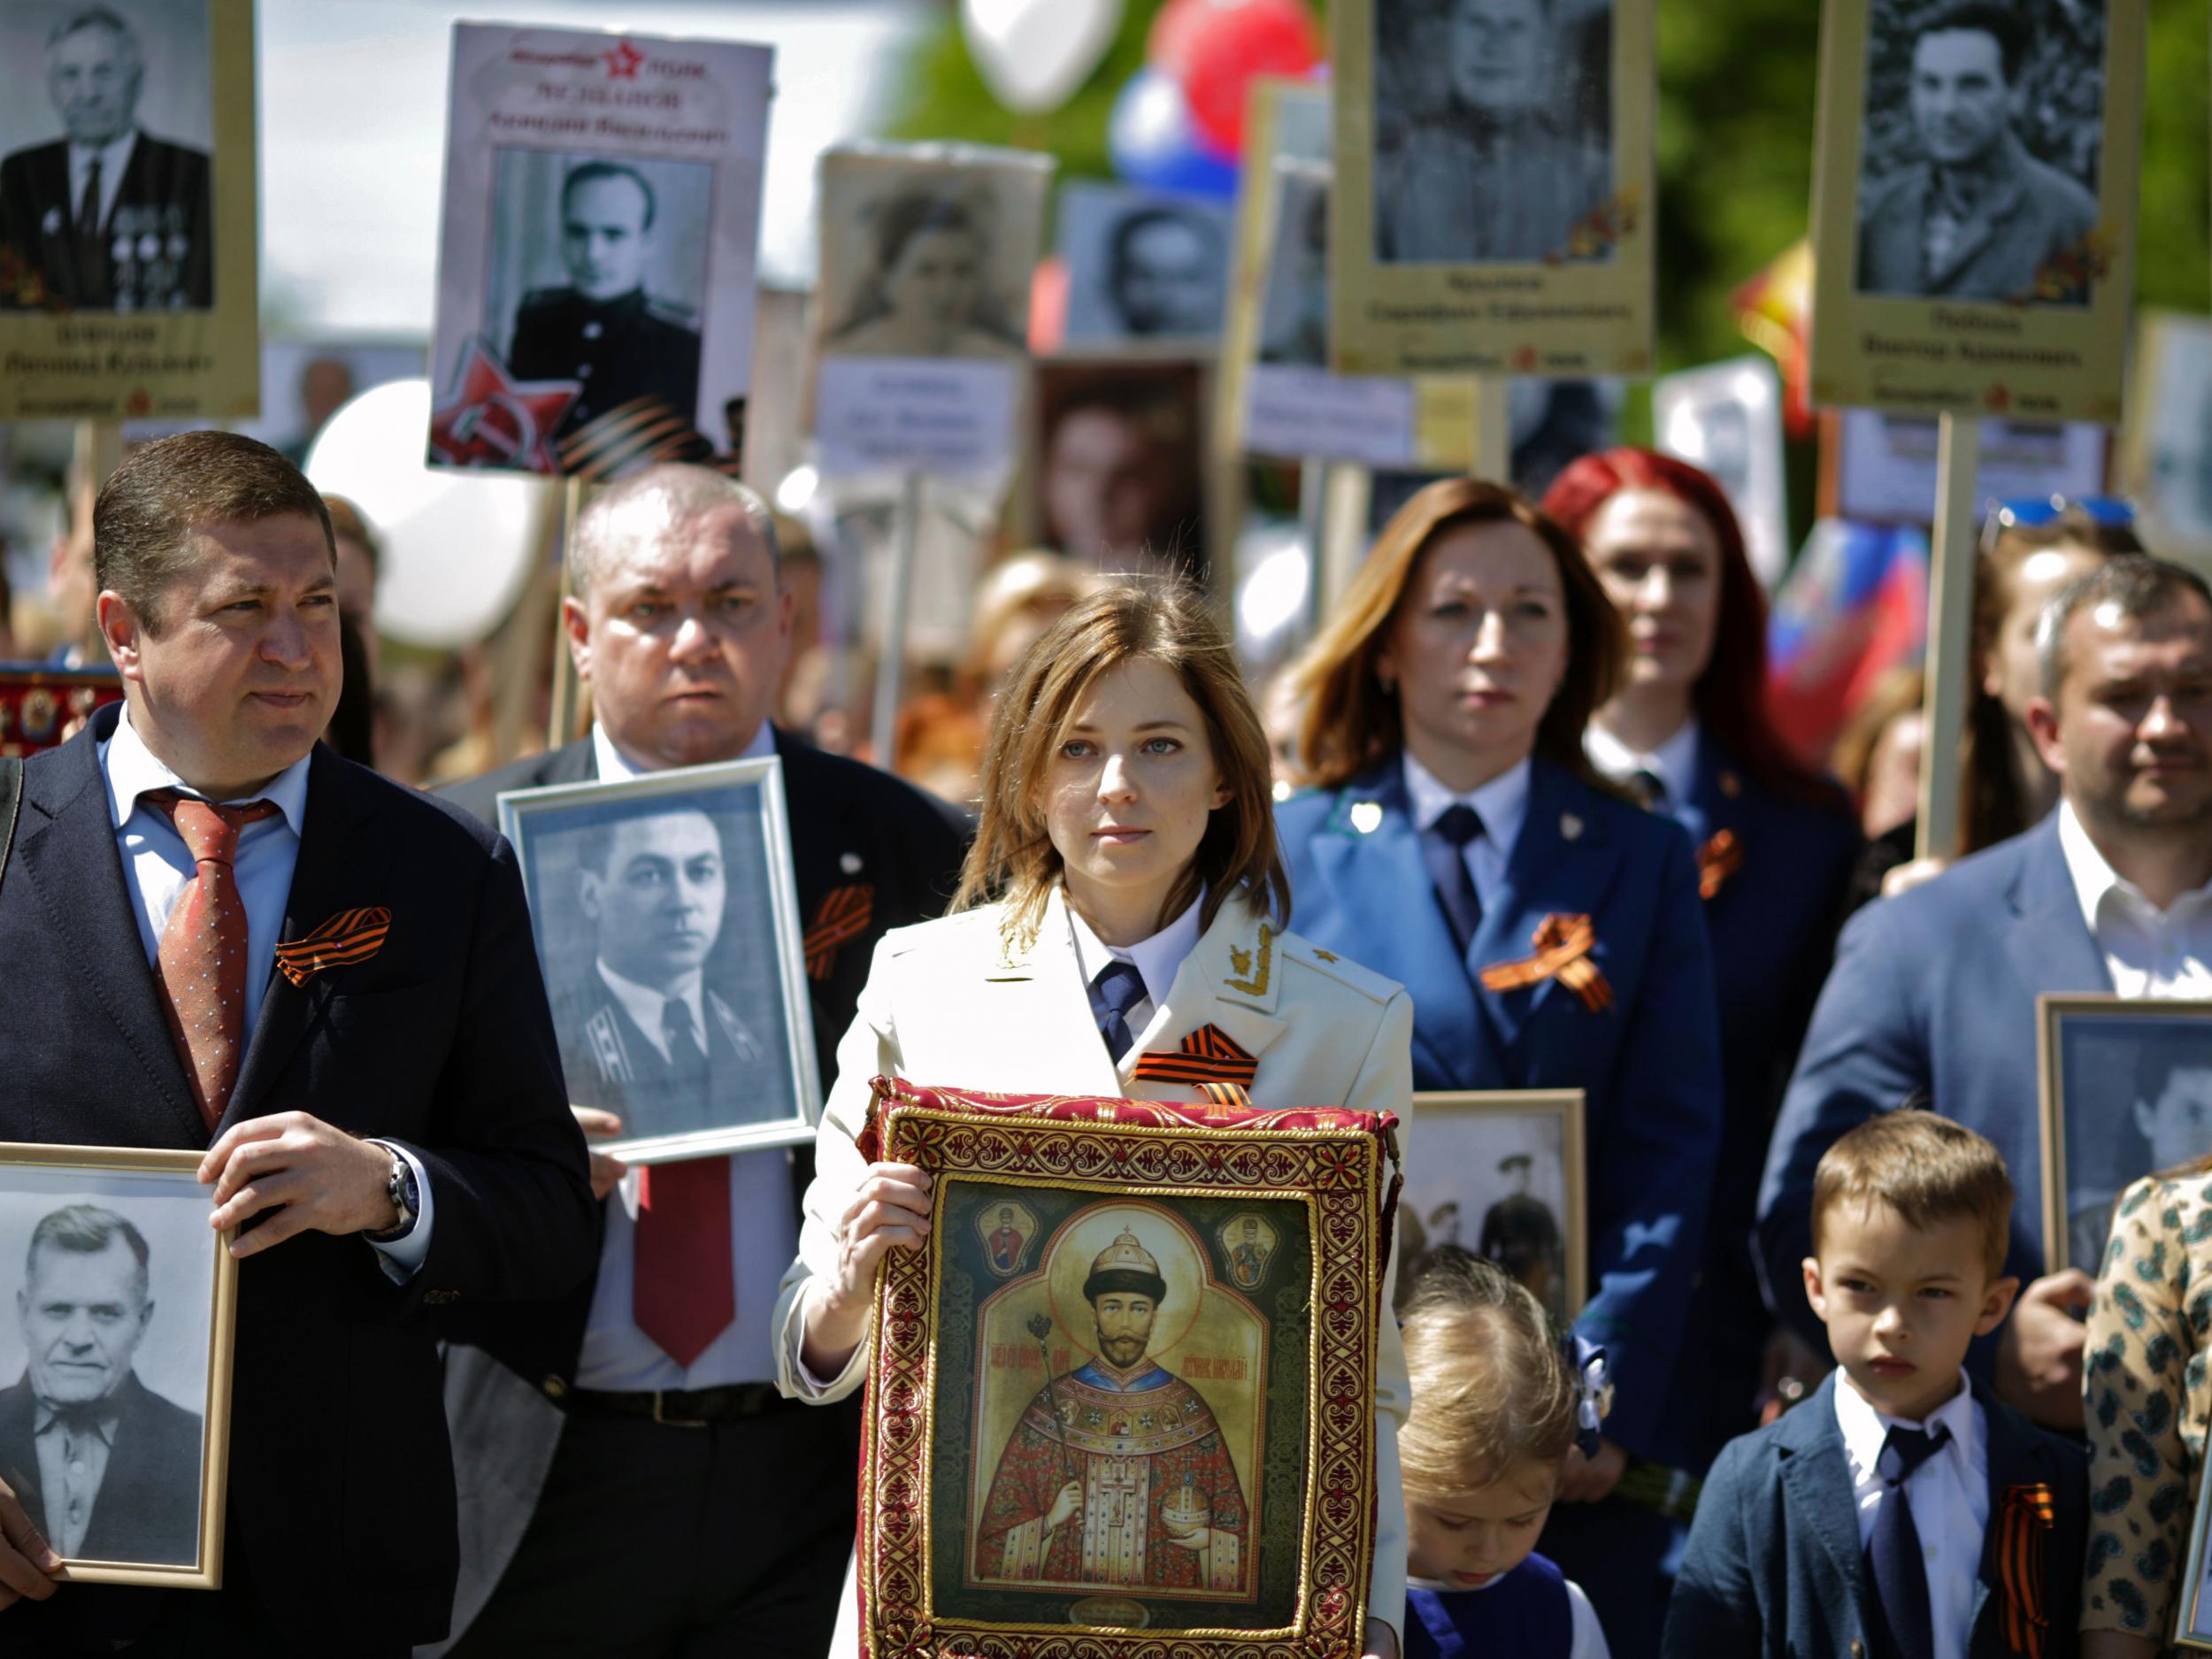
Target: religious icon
(1250, 1242)
(1009, 1229)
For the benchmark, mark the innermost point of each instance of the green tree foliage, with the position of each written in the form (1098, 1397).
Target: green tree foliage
(1738, 83)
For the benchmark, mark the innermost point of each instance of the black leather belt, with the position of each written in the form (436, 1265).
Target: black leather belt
(682, 1408)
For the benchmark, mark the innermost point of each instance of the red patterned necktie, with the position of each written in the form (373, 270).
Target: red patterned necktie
(683, 1289)
(202, 955)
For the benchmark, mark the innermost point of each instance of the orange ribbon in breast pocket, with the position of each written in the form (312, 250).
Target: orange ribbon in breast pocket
(2029, 1515)
(1211, 1061)
(1562, 945)
(1717, 860)
(348, 937)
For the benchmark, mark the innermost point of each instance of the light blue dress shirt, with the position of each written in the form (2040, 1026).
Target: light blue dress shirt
(158, 867)
(616, 1356)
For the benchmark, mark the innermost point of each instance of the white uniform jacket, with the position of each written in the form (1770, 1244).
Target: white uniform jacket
(948, 1005)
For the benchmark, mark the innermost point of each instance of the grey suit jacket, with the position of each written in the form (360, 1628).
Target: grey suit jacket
(2026, 226)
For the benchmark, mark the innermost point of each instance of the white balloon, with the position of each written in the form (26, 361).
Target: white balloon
(1035, 53)
(457, 545)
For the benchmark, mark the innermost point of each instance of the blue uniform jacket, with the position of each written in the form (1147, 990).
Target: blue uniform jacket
(1781, 872)
(1934, 990)
(1649, 1064)
(1774, 1569)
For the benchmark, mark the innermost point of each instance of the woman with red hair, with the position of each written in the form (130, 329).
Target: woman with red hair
(1687, 731)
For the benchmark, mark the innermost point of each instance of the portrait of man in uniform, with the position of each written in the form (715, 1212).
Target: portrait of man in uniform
(106, 217)
(1166, 274)
(1117, 1472)
(603, 329)
(645, 1036)
(108, 1468)
(1970, 214)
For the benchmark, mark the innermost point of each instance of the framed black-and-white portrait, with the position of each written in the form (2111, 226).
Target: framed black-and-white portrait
(1500, 1176)
(2126, 1091)
(126, 208)
(1146, 270)
(115, 1361)
(667, 926)
(596, 263)
(1975, 192)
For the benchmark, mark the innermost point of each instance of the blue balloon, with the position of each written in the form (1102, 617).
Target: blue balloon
(1154, 142)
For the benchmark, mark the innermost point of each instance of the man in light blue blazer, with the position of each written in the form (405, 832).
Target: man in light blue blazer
(1934, 992)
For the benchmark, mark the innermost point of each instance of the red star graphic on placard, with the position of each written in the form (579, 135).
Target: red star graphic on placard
(1525, 359)
(622, 62)
(493, 420)
(1997, 400)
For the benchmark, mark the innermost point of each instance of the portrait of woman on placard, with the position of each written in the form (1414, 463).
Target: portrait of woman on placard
(928, 289)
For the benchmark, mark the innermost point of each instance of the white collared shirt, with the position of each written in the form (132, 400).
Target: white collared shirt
(1949, 1494)
(158, 867)
(1157, 960)
(1674, 763)
(2149, 952)
(1501, 805)
(114, 157)
(616, 1356)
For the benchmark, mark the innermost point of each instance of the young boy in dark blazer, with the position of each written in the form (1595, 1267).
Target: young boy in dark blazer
(1902, 1512)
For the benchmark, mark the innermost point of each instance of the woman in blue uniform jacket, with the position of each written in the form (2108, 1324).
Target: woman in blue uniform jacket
(1688, 732)
(1551, 931)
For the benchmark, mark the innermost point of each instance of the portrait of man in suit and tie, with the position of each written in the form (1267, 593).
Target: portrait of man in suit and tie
(108, 1467)
(105, 216)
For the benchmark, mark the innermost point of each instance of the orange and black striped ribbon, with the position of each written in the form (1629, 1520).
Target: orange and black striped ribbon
(349, 936)
(1562, 945)
(1717, 860)
(844, 917)
(2029, 1515)
(1210, 1061)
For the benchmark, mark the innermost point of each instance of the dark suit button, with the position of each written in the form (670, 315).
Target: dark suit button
(556, 1389)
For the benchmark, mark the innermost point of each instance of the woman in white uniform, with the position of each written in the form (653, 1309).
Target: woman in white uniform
(1123, 890)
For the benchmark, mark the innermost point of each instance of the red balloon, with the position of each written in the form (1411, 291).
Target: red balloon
(1216, 48)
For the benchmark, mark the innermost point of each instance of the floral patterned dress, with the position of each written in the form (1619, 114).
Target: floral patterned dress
(2147, 1401)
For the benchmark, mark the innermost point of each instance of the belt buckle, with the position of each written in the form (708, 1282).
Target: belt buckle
(662, 1418)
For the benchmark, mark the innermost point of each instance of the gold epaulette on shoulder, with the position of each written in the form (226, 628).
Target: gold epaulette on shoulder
(605, 1038)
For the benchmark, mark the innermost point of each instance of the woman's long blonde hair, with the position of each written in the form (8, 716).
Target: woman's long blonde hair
(1012, 858)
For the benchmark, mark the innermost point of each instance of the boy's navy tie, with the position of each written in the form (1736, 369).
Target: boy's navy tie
(1896, 1569)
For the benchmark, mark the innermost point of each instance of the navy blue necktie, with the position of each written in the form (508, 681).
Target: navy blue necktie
(1117, 988)
(1444, 849)
(1895, 1568)
(1649, 789)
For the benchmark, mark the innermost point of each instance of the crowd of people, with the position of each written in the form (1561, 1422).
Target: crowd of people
(1516, 820)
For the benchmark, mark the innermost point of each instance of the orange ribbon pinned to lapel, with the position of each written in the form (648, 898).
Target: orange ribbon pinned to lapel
(1562, 946)
(1717, 860)
(348, 937)
(844, 917)
(1211, 1061)
(2029, 1515)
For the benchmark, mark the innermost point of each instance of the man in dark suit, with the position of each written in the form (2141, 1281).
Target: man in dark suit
(604, 330)
(107, 218)
(222, 937)
(1977, 218)
(110, 1470)
(626, 1437)
(1934, 993)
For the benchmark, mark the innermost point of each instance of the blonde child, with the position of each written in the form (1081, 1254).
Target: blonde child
(1497, 1407)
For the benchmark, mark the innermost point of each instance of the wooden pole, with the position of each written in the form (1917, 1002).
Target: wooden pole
(1950, 633)
(562, 726)
(891, 660)
(1494, 428)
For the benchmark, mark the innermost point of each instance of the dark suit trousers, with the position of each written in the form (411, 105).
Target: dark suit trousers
(651, 1541)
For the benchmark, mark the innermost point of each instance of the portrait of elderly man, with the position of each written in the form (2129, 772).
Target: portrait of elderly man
(108, 1468)
(105, 218)
(1974, 216)
(603, 329)
(1116, 1473)
(1482, 153)
(645, 1035)
(1165, 273)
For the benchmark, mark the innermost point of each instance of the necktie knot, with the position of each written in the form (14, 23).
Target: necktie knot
(675, 1020)
(1459, 825)
(209, 832)
(1648, 787)
(1906, 1450)
(1117, 988)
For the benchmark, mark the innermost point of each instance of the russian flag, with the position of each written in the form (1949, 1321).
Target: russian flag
(1854, 606)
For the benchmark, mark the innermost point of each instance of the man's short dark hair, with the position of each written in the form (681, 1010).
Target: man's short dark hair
(84, 1230)
(2001, 23)
(174, 486)
(591, 172)
(2142, 586)
(1135, 225)
(93, 17)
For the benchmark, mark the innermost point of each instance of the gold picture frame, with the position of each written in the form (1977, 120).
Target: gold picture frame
(130, 1179)
(2079, 1185)
(2192, 1613)
(1533, 1218)
(1882, 336)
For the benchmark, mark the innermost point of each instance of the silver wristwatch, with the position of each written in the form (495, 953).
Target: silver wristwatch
(405, 1198)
